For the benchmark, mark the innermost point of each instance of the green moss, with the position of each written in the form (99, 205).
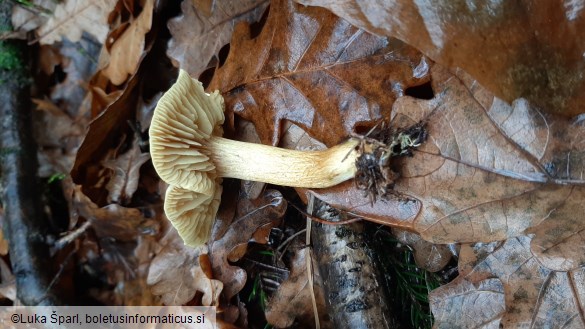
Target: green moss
(9, 57)
(12, 67)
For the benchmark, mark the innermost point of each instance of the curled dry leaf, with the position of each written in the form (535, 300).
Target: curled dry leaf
(315, 70)
(205, 27)
(128, 49)
(111, 221)
(176, 273)
(112, 109)
(126, 173)
(431, 257)
(269, 208)
(509, 287)
(49, 59)
(73, 17)
(526, 49)
(108, 129)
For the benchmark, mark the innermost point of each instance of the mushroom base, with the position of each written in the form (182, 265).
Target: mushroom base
(374, 174)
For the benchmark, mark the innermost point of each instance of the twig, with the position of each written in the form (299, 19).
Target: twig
(309, 258)
(61, 269)
(71, 236)
(290, 238)
(324, 221)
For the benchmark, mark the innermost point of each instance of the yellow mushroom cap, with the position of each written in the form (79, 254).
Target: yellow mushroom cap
(184, 118)
(192, 213)
(183, 121)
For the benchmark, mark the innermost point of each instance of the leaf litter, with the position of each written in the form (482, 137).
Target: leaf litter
(510, 170)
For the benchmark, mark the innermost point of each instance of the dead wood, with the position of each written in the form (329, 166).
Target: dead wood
(353, 282)
(24, 226)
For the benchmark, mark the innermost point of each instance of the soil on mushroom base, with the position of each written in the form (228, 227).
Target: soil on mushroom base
(376, 149)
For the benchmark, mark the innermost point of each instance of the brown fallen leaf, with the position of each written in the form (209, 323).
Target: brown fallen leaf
(128, 50)
(497, 187)
(428, 256)
(315, 70)
(109, 128)
(176, 273)
(292, 301)
(525, 49)
(49, 58)
(111, 221)
(205, 27)
(270, 207)
(509, 287)
(112, 108)
(73, 17)
(126, 173)
(559, 242)
(488, 157)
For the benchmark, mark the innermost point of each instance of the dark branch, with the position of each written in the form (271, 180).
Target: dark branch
(24, 226)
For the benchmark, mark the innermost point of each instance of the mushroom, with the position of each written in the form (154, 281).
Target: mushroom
(190, 155)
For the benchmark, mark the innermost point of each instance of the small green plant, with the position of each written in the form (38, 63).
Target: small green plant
(408, 284)
(413, 286)
(258, 292)
(56, 177)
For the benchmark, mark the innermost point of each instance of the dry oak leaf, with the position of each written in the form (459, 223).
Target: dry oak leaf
(490, 171)
(126, 173)
(270, 207)
(128, 49)
(315, 70)
(176, 275)
(508, 287)
(73, 17)
(486, 172)
(205, 27)
(529, 49)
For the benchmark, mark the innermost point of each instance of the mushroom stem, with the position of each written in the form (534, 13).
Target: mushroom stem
(273, 165)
